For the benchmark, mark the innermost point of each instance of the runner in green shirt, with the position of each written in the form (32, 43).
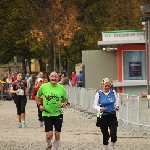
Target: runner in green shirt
(54, 98)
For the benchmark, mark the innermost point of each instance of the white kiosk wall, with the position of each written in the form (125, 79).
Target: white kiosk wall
(98, 65)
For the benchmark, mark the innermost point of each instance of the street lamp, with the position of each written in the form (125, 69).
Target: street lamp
(145, 17)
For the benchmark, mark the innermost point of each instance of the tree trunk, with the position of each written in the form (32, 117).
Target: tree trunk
(29, 65)
(41, 64)
(23, 65)
(51, 61)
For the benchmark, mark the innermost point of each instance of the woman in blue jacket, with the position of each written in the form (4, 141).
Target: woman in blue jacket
(106, 103)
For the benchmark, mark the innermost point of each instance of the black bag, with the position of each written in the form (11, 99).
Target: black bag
(98, 121)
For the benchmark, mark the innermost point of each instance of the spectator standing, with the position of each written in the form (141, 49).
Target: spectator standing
(31, 84)
(74, 79)
(80, 79)
(27, 76)
(64, 79)
(9, 81)
(14, 76)
(145, 95)
(5, 77)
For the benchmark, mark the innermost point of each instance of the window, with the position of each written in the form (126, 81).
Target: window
(134, 65)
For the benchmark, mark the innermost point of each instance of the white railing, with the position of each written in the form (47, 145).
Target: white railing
(134, 113)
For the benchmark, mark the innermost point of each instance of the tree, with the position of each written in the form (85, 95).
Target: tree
(72, 26)
(17, 19)
(123, 15)
(98, 16)
(60, 25)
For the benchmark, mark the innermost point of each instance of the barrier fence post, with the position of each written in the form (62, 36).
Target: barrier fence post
(138, 110)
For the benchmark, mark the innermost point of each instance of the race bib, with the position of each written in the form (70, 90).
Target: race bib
(20, 92)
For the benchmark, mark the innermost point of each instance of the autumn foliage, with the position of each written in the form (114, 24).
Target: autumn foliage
(30, 29)
(58, 22)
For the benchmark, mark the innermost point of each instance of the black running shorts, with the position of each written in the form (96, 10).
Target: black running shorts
(55, 121)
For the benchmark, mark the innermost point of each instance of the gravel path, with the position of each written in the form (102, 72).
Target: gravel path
(78, 132)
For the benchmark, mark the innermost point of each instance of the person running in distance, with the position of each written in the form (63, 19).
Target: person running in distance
(34, 93)
(20, 90)
(40, 75)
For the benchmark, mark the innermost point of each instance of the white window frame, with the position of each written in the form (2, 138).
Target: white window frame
(123, 71)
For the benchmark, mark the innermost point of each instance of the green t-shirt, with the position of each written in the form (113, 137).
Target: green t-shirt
(53, 96)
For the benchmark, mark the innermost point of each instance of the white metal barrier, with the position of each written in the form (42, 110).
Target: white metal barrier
(133, 115)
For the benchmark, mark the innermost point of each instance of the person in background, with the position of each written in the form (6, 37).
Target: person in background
(74, 79)
(20, 90)
(145, 95)
(64, 79)
(54, 98)
(5, 77)
(80, 79)
(44, 78)
(14, 76)
(34, 93)
(47, 77)
(30, 84)
(6, 87)
(40, 75)
(9, 81)
(27, 76)
(59, 77)
(106, 103)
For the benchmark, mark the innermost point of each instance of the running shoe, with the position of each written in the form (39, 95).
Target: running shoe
(24, 124)
(49, 148)
(19, 125)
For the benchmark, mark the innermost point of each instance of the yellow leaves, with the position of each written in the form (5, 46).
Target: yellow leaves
(57, 26)
(64, 42)
(59, 22)
(67, 25)
(37, 34)
(58, 4)
(68, 35)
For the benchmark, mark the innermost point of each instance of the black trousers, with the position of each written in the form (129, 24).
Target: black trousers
(40, 118)
(20, 102)
(108, 122)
